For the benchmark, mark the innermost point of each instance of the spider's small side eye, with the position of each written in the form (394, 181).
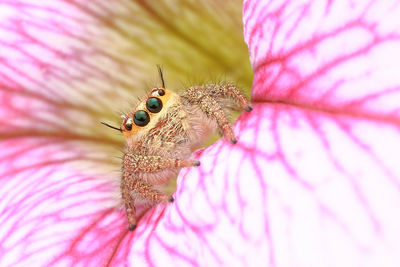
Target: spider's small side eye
(161, 92)
(128, 124)
(141, 118)
(154, 105)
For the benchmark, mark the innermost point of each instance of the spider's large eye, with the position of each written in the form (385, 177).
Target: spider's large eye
(154, 105)
(141, 118)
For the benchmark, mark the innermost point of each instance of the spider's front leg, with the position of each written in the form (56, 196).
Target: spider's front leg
(133, 187)
(207, 99)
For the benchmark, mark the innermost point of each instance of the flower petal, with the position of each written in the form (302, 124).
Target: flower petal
(327, 72)
(314, 178)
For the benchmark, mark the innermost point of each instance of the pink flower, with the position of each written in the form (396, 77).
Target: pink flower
(313, 180)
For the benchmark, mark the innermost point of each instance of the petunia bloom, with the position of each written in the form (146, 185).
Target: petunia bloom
(313, 180)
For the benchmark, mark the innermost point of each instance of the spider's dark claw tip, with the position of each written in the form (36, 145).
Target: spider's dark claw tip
(171, 199)
(132, 227)
(196, 163)
(233, 141)
(249, 108)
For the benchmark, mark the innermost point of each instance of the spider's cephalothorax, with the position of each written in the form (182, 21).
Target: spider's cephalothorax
(161, 131)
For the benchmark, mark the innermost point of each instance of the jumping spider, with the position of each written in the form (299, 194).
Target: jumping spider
(162, 130)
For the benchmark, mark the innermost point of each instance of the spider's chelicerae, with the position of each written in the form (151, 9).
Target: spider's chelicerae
(162, 130)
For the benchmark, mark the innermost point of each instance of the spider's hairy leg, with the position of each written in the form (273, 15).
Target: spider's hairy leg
(134, 188)
(208, 105)
(149, 163)
(147, 192)
(228, 90)
(129, 205)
